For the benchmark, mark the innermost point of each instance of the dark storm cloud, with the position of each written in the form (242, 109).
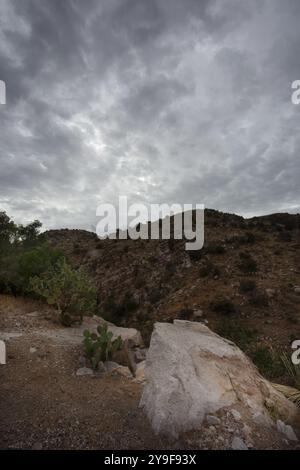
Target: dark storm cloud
(164, 101)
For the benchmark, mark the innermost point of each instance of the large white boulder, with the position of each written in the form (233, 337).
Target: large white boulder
(191, 371)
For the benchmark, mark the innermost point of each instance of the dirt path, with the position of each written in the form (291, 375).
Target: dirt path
(43, 404)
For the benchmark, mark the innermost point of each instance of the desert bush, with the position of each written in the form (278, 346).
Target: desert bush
(247, 285)
(223, 305)
(209, 268)
(242, 336)
(185, 313)
(35, 262)
(215, 248)
(101, 346)
(267, 361)
(170, 267)
(247, 263)
(259, 299)
(155, 295)
(117, 311)
(247, 238)
(285, 237)
(68, 290)
(195, 255)
(293, 370)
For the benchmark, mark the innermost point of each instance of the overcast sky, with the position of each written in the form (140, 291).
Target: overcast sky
(176, 101)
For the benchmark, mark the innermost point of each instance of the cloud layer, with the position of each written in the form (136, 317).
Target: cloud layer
(162, 101)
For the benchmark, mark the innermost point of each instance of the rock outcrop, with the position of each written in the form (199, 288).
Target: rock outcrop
(191, 372)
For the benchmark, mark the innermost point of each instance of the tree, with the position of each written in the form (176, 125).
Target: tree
(68, 290)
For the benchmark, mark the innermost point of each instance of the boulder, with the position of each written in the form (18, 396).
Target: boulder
(191, 372)
(83, 371)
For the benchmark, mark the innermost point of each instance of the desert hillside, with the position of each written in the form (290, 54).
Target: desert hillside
(162, 307)
(244, 283)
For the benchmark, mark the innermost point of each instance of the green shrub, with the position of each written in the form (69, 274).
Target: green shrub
(293, 370)
(101, 346)
(240, 335)
(35, 262)
(268, 362)
(68, 290)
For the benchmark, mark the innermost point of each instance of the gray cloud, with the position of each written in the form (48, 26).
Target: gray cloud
(161, 101)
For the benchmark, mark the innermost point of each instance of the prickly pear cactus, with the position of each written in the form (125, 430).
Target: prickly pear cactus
(101, 346)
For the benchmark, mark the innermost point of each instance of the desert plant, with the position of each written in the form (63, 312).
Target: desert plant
(247, 263)
(208, 268)
(215, 248)
(247, 285)
(240, 335)
(70, 291)
(101, 346)
(267, 361)
(186, 313)
(293, 370)
(223, 305)
(36, 261)
(259, 299)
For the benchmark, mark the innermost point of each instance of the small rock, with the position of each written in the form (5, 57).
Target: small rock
(124, 371)
(140, 355)
(140, 372)
(33, 314)
(238, 444)
(198, 314)
(270, 293)
(211, 430)
(82, 361)
(297, 290)
(287, 430)
(82, 371)
(32, 350)
(214, 420)
(110, 365)
(236, 414)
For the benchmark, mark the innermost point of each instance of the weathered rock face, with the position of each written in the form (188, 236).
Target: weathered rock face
(191, 371)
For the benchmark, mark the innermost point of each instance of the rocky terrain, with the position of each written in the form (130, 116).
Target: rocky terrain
(244, 285)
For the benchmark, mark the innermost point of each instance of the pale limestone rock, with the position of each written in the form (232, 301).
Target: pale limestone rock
(191, 372)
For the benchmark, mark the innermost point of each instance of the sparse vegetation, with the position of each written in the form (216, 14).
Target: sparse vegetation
(242, 336)
(259, 299)
(215, 248)
(209, 268)
(68, 290)
(100, 347)
(223, 305)
(268, 362)
(186, 313)
(247, 263)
